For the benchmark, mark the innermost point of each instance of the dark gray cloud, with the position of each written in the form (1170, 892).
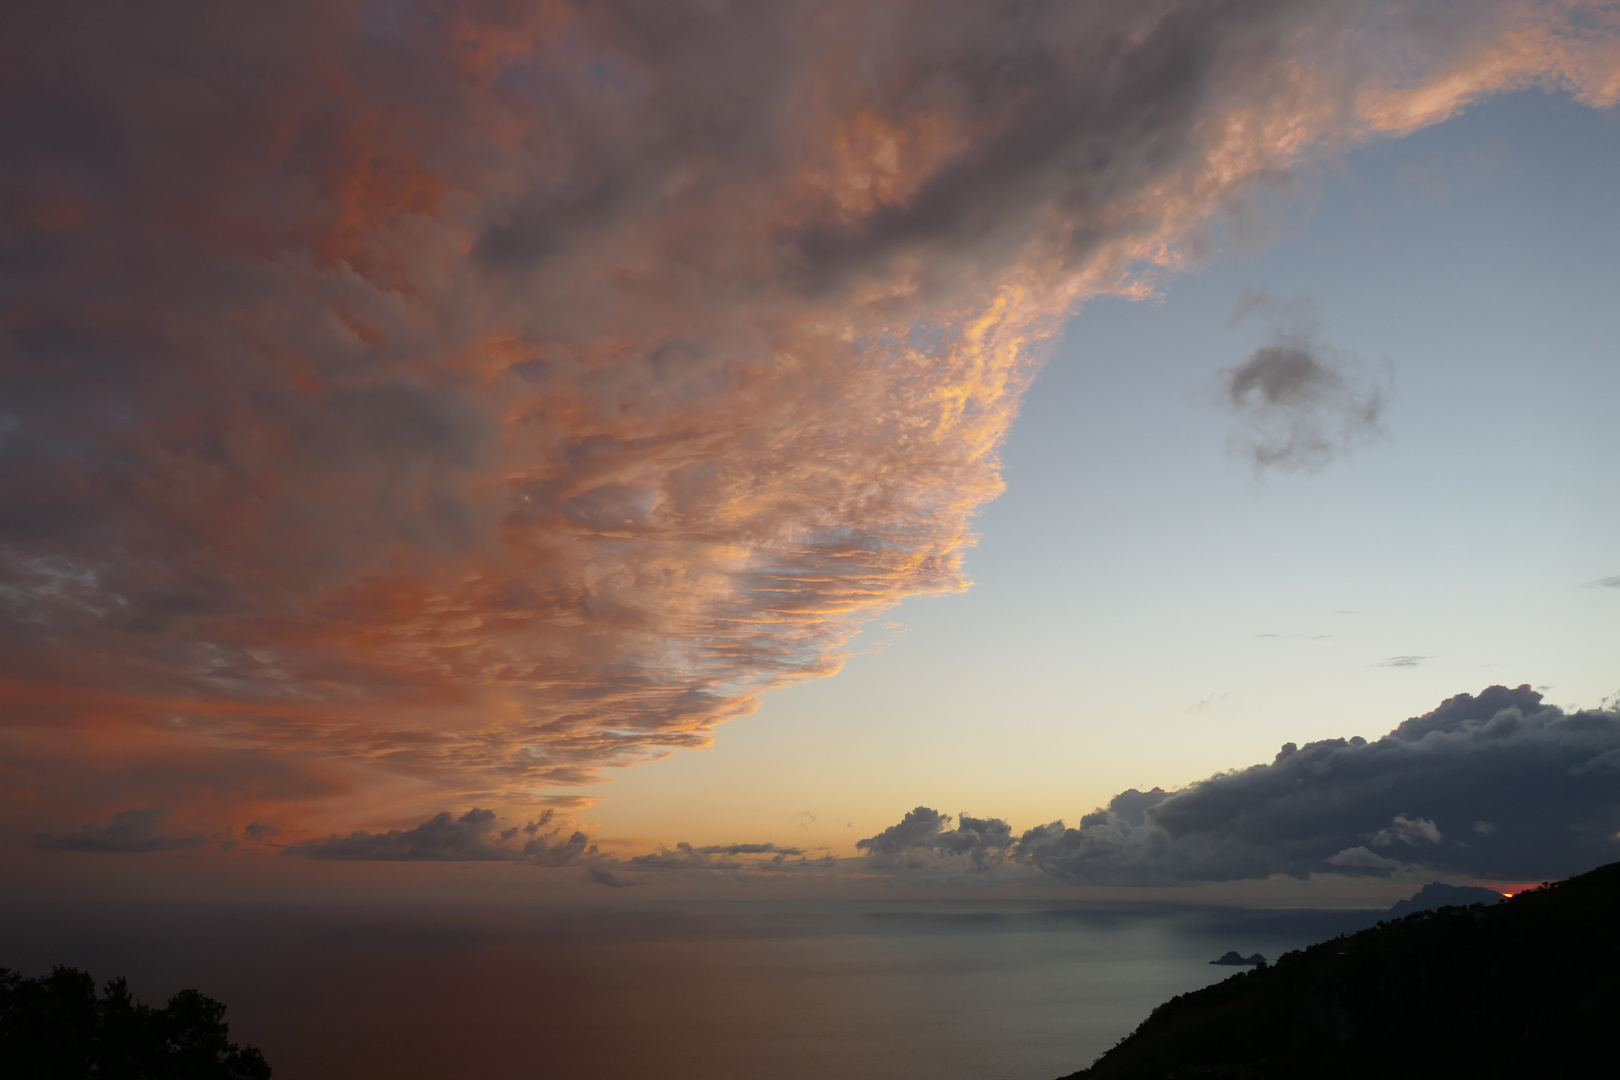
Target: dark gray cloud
(601, 875)
(1611, 582)
(441, 838)
(684, 856)
(1297, 407)
(922, 839)
(748, 849)
(1498, 785)
(478, 836)
(138, 829)
(473, 837)
(544, 851)
(1299, 402)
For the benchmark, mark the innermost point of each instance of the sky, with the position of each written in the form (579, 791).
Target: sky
(618, 444)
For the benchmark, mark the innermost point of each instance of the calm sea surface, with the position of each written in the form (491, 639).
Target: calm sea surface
(796, 991)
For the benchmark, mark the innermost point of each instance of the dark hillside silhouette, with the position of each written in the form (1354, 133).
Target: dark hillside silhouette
(1526, 987)
(58, 1028)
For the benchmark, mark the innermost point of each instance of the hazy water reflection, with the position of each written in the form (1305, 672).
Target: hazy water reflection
(995, 991)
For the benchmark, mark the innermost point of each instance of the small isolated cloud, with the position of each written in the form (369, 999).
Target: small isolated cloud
(1412, 831)
(921, 839)
(601, 875)
(1402, 661)
(1610, 582)
(138, 829)
(1360, 858)
(1299, 402)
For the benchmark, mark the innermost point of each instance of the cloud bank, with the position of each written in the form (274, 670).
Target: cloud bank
(465, 397)
(1498, 786)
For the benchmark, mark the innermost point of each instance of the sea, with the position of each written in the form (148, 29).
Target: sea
(777, 990)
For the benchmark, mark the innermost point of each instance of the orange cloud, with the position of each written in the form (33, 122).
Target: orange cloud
(463, 398)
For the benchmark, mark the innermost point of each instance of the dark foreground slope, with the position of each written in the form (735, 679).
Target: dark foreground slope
(1529, 987)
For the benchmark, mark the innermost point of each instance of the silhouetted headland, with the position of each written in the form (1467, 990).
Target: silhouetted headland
(58, 1028)
(1435, 895)
(1526, 987)
(1235, 959)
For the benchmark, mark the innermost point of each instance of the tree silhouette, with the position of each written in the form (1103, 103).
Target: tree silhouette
(58, 1028)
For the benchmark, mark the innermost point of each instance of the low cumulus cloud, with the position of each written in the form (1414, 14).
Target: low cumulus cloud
(132, 831)
(490, 393)
(729, 857)
(922, 838)
(1498, 785)
(1299, 402)
(480, 836)
(473, 837)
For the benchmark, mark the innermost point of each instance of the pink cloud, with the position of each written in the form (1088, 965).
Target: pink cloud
(428, 401)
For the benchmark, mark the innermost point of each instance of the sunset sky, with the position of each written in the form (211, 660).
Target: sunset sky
(648, 444)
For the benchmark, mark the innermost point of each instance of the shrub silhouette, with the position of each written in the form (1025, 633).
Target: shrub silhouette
(58, 1028)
